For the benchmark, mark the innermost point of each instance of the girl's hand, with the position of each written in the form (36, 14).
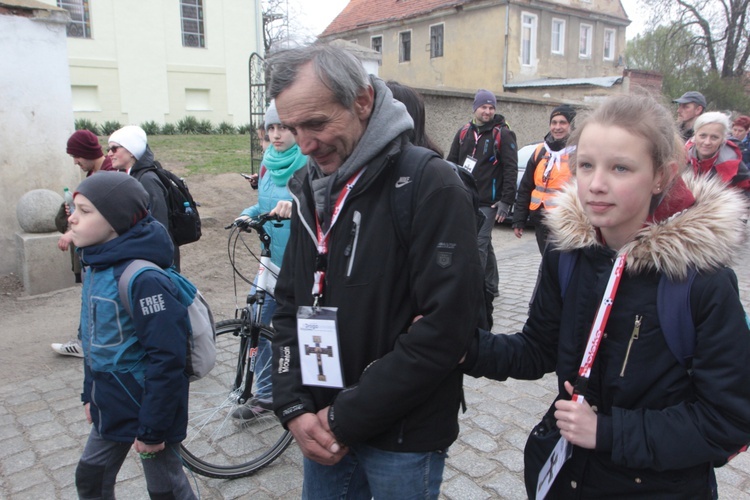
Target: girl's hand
(576, 421)
(283, 209)
(253, 180)
(87, 409)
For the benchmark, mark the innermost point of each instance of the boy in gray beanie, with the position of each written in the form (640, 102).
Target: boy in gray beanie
(135, 359)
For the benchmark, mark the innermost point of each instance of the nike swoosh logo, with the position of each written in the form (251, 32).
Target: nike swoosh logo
(403, 181)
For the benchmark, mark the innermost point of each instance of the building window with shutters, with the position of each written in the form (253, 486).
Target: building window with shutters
(80, 23)
(404, 50)
(193, 30)
(436, 40)
(376, 43)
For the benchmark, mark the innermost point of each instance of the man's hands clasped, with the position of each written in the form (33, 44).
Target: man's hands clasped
(315, 438)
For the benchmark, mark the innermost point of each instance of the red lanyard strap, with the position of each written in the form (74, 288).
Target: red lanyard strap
(597, 329)
(321, 263)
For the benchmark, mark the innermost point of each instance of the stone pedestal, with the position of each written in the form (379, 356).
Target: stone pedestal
(42, 266)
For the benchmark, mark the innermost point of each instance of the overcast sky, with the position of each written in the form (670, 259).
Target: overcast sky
(319, 14)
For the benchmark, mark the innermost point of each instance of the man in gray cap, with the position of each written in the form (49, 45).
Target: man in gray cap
(690, 106)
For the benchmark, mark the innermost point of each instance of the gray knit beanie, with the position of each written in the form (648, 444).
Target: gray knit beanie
(120, 199)
(272, 116)
(483, 97)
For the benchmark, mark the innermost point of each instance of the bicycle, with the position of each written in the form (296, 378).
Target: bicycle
(220, 444)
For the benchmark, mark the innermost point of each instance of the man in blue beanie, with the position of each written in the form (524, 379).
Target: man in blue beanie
(486, 147)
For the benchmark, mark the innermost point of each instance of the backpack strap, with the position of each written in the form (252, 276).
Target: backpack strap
(134, 268)
(568, 261)
(125, 283)
(676, 318)
(408, 173)
(498, 141)
(539, 153)
(462, 133)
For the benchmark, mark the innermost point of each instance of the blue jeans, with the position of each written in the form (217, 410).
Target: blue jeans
(368, 472)
(263, 359)
(97, 470)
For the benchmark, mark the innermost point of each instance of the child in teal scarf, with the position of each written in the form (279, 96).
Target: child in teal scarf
(281, 159)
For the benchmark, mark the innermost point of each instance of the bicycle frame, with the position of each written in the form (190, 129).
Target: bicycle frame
(228, 436)
(265, 283)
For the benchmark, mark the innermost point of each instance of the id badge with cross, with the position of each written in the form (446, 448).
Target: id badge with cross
(469, 163)
(317, 335)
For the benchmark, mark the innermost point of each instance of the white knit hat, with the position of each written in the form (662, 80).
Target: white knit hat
(132, 138)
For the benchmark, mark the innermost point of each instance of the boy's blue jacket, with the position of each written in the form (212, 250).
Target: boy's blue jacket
(134, 368)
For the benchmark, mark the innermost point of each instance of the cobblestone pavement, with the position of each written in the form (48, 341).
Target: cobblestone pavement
(42, 432)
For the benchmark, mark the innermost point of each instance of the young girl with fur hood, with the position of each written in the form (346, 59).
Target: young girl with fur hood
(648, 425)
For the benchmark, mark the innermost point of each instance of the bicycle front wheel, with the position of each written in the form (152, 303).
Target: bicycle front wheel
(220, 443)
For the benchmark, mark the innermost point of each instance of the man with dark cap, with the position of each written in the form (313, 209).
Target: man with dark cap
(690, 106)
(83, 146)
(546, 173)
(486, 147)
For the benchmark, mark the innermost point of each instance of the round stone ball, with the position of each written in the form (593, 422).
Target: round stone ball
(36, 210)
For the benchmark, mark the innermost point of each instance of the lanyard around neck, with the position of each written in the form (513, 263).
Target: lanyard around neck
(597, 329)
(324, 237)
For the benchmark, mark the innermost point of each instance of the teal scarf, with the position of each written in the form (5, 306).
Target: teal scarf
(281, 166)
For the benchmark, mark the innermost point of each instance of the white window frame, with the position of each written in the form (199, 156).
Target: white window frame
(612, 34)
(372, 38)
(433, 51)
(401, 56)
(588, 28)
(529, 22)
(560, 36)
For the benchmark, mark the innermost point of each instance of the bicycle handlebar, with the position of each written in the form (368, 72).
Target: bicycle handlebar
(256, 222)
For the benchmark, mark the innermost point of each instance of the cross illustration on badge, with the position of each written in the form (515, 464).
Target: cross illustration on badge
(319, 352)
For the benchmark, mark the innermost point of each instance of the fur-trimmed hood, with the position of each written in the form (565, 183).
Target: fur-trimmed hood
(706, 235)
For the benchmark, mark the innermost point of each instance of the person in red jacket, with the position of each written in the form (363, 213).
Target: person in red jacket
(710, 152)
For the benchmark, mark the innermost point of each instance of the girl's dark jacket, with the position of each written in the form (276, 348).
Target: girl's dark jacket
(402, 383)
(659, 428)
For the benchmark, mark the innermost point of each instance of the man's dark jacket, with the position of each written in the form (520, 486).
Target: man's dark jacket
(495, 174)
(402, 386)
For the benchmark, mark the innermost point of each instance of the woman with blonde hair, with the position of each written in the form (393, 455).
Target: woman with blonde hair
(710, 152)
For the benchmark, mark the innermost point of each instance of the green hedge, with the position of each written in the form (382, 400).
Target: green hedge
(185, 126)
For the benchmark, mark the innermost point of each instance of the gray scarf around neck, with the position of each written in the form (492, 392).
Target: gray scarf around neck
(389, 119)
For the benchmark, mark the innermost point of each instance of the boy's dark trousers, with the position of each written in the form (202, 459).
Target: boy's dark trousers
(97, 470)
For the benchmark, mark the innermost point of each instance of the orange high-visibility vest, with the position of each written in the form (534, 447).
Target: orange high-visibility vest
(545, 189)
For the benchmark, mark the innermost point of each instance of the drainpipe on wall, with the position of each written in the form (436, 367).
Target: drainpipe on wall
(507, 36)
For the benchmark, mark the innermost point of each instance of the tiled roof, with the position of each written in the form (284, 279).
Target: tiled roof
(361, 13)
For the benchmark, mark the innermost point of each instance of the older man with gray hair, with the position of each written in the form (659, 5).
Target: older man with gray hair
(369, 331)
